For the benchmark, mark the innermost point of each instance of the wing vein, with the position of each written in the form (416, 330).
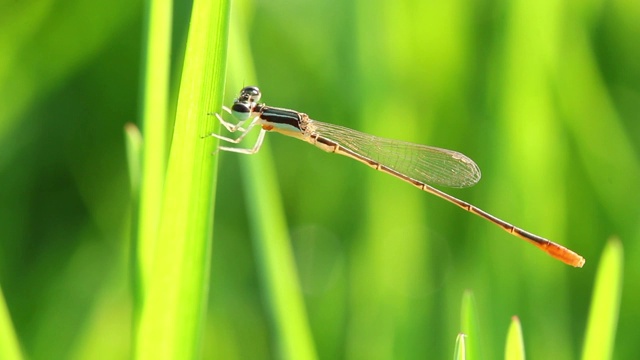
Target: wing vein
(423, 163)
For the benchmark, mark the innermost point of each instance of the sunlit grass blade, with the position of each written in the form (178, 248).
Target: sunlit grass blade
(605, 304)
(9, 346)
(285, 302)
(460, 351)
(176, 295)
(469, 324)
(155, 100)
(514, 349)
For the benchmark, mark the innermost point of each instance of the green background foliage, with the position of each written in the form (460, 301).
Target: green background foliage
(544, 96)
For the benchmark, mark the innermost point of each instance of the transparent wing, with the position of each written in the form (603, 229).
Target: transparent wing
(427, 164)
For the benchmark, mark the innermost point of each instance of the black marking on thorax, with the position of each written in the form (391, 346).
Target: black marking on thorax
(280, 116)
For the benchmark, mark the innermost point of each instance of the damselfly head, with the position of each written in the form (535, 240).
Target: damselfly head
(250, 94)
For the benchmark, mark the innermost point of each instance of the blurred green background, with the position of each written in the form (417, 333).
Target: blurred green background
(544, 96)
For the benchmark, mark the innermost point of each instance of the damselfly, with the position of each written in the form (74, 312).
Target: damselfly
(419, 165)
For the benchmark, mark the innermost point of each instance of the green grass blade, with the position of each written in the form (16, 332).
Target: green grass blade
(469, 324)
(460, 352)
(270, 233)
(276, 263)
(605, 304)
(154, 127)
(9, 346)
(173, 309)
(514, 349)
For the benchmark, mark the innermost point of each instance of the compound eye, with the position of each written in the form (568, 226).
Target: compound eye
(241, 111)
(250, 94)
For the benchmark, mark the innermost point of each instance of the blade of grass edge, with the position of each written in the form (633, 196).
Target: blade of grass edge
(605, 304)
(270, 235)
(514, 347)
(171, 321)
